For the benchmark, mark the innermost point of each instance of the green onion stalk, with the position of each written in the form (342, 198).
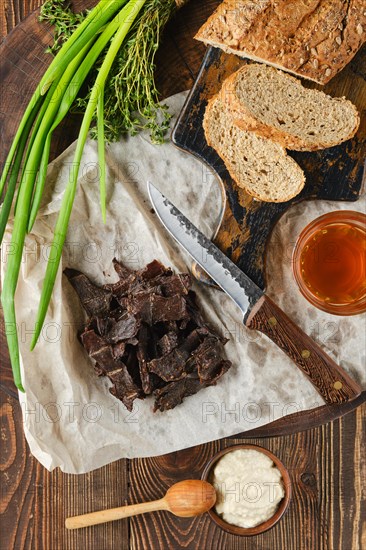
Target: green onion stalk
(112, 48)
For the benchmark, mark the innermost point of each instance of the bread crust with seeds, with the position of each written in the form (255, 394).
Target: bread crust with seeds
(313, 39)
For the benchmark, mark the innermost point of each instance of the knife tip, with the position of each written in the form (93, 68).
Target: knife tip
(154, 193)
(150, 187)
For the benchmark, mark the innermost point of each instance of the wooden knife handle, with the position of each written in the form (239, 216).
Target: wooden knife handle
(331, 381)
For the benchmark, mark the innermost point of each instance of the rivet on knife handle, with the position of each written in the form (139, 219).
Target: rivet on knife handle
(331, 381)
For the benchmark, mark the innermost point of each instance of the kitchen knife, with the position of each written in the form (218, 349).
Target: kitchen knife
(260, 312)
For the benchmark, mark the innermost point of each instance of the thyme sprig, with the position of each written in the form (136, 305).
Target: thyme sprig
(59, 14)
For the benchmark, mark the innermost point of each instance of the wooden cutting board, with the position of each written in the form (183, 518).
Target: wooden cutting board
(331, 174)
(22, 63)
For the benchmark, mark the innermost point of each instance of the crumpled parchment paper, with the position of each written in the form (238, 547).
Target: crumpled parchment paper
(70, 419)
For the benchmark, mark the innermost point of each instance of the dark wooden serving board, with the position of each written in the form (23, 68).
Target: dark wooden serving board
(332, 174)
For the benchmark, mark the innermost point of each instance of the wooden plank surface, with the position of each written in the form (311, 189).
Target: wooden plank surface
(328, 510)
(34, 502)
(327, 465)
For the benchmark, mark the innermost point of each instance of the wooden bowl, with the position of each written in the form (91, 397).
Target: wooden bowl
(234, 529)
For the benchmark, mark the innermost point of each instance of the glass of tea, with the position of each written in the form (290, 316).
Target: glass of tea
(329, 262)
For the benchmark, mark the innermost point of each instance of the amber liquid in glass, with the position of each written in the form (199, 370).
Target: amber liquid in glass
(333, 263)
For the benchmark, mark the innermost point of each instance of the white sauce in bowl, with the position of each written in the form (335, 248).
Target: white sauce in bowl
(249, 487)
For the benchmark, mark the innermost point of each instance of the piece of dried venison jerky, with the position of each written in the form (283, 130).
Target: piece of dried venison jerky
(124, 328)
(124, 388)
(174, 365)
(173, 393)
(99, 350)
(95, 300)
(208, 358)
(143, 358)
(167, 343)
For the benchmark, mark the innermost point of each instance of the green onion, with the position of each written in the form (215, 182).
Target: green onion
(91, 24)
(21, 221)
(6, 206)
(128, 15)
(51, 112)
(101, 156)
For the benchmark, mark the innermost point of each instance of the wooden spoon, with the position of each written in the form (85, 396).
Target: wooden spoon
(188, 498)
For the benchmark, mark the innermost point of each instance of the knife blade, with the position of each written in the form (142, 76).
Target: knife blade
(259, 311)
(219, 267)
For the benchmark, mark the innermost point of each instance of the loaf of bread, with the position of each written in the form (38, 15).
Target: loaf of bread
(257, 164)
(314, 39)
(277, 106)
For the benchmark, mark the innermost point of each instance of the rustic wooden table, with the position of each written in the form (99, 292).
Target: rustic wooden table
(326, 464)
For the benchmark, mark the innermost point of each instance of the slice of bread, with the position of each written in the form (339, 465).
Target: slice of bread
(258, 165)
(277, 106)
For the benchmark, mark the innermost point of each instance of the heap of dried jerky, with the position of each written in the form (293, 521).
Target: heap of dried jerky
(146, 334)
